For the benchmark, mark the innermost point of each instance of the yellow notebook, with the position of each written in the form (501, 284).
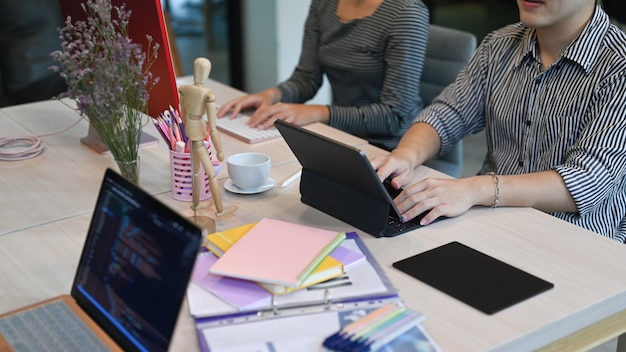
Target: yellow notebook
(328, 269)
(220, 242)
(278, 253)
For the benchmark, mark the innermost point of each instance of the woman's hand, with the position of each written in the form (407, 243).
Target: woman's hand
(441, 197)
(395, 166)
(437, 197)
(297, 114)
(268, 109)
(252, 101)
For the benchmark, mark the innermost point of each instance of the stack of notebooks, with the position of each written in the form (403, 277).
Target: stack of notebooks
(264, 278)
(279, 256)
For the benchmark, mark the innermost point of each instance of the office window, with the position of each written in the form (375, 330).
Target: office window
(211, 29)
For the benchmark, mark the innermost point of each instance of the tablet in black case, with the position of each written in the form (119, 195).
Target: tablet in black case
(472, 277)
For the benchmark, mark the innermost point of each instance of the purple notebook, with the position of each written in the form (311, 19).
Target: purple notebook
(239, 293)
(348, 257)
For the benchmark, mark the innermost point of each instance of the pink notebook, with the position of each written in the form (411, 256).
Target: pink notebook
(278, 252)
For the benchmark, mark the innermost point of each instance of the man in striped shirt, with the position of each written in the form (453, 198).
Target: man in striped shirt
(550, 93)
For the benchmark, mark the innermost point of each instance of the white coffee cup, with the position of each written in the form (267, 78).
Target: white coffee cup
(248, 170)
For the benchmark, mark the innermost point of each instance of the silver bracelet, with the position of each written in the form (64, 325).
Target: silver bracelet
(496, 180)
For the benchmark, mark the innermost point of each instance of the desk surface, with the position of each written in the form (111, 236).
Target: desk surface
(64, 181)
(47, 204)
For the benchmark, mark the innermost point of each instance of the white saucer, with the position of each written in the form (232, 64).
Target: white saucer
(269, 184)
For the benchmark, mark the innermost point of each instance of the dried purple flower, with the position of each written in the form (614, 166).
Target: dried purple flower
(108, 76)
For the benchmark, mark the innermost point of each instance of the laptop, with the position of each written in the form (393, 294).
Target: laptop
(339, 180)
(129, 286)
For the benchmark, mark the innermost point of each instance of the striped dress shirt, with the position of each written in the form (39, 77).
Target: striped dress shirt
(570, 117)
(373, 65)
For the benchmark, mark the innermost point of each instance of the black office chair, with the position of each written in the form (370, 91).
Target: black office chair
(28, 33)
(447, 52)
(616, 9)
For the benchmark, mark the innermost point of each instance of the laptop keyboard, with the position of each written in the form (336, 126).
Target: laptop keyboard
(400, 226)
(238, 128)
(50, 327)
(393, 221)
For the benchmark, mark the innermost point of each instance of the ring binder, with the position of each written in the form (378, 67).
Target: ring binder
(327, 298)
(368, 288)
(277, 312)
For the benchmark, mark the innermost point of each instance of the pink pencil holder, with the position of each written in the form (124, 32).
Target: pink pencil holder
(180, 164)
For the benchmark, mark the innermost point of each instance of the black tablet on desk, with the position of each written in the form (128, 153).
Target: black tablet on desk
(339, 180)
(473, 277)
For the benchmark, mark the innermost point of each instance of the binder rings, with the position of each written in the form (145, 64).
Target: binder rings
(364, 287)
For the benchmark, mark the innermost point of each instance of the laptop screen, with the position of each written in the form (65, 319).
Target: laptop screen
(135, 266)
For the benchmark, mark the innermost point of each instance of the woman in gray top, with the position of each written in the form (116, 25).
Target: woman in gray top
(372, 53)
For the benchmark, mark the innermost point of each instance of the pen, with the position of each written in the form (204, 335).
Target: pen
(181, 124)
(180, 147)
(355, 341)
(173, 125)
(160, 130)
(167, 132)
(374, 330)
(343, 335)
(170, 133)
(391, 332)
(290, 180)
(367, 331)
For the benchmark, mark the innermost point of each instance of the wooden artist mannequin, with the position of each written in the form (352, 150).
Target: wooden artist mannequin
(195, 101)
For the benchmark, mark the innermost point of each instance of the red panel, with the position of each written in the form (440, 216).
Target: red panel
(147, 18)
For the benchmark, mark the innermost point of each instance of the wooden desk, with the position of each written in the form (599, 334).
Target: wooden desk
(47, 204)
(64, 181)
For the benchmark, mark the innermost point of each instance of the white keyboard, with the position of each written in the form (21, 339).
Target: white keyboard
(238, 128)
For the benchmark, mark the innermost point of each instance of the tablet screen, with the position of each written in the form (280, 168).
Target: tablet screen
(472, 277)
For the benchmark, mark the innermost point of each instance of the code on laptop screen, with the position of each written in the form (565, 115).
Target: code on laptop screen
(135, 265)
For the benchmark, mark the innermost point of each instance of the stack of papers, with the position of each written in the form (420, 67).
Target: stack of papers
(331, 266)
(226, 308)
(212, 294)
(279, 254)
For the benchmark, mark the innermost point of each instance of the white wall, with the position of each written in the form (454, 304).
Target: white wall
(259, 44)
(272, 40)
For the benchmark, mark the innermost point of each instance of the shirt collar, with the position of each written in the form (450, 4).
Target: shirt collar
(583, 50)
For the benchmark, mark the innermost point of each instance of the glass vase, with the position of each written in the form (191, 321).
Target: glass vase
(129, 169)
